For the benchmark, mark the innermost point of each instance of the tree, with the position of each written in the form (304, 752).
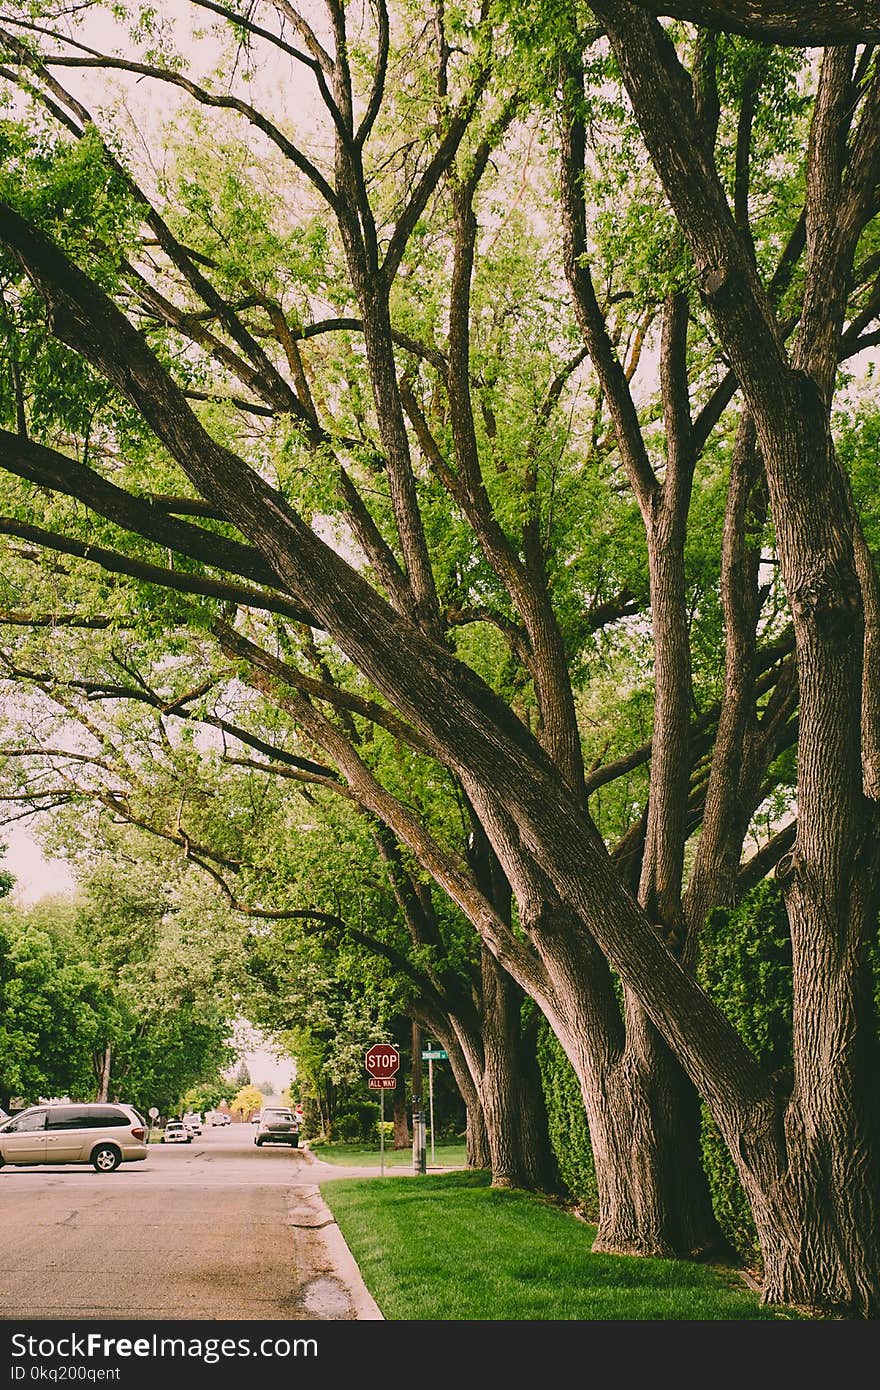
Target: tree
(520, 763)
(247, 1101)
(206, 1096)
(54, 1007)
(242, 1075)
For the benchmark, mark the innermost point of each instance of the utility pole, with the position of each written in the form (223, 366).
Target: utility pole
(420, 1162)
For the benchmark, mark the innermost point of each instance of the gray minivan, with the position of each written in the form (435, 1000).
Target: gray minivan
(103, 1134)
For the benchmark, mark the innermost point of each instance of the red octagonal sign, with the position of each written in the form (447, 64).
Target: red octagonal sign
(382, 1060)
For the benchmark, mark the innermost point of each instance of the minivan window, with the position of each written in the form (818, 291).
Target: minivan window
(108, 1117)
(66, 1117)
(25, 1123)
(82, 1117)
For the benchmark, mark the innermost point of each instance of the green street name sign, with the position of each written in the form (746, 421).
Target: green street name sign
(438, 1056)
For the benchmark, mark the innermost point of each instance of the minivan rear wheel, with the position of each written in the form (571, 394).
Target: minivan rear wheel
(106, 1158)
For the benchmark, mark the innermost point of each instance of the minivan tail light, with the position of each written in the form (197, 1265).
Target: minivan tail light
(138, 1131)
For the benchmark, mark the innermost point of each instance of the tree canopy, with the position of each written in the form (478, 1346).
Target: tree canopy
(472, 440)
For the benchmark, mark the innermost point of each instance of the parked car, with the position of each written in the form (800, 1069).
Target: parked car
(176, 1132)
(104, 1135)
(220, 1117)
(193, 1122)
(277, 1125)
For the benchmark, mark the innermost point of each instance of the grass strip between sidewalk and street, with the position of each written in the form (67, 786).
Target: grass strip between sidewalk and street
(452, 1247)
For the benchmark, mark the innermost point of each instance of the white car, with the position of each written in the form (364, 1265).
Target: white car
(219, 1117)
(176, 1132)
(193, 1122)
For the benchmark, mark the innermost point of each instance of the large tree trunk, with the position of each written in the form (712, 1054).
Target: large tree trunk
(643, 1116)
(642, 1111)
(104, 1074)
(516, 1118)
(402, 1137)
(651, 1129)
(812, 1176)
(811, 1168)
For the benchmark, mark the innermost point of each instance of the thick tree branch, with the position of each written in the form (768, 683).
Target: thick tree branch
(799, 23)
(240, 648)
(116, 563)
(147, 517)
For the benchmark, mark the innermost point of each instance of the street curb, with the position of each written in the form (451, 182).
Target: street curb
(365, 1306)
(309, 1212)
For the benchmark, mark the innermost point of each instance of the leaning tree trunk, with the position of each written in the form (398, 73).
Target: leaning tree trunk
(642, 1111)
(644, 1122)
(477, 1153)
(516, 1118)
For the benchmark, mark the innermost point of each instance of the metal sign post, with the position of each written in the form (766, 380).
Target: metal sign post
(418, 1115)
(382, 1133)
(432, 1054)
(431, 1103)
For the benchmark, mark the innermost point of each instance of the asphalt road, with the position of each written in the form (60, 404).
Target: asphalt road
(213, 1229)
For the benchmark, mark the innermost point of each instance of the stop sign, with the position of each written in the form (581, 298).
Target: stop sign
(382, 1060)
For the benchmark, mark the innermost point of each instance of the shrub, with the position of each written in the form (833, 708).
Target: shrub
(746, 967)
(567, 1123)
(355, 1122)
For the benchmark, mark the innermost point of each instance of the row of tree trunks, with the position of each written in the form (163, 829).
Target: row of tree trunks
(792, 1152)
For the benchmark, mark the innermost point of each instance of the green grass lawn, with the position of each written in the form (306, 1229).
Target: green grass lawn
(451, 1247)
(446, 1155)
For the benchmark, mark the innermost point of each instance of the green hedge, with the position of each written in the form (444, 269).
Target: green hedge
(746, 968)
(567, 1123)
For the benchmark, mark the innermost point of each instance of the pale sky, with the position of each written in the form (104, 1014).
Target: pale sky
(35, 875)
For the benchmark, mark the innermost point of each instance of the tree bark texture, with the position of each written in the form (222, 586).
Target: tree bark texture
(402, 1137)
(819, 1240)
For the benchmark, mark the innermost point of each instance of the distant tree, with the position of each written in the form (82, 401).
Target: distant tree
(7, 880)
(242, 1076)
(246, 1102)
(53, 1006)
(207, 1096)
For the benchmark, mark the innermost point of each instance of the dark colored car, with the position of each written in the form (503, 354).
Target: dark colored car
(278, 1125)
